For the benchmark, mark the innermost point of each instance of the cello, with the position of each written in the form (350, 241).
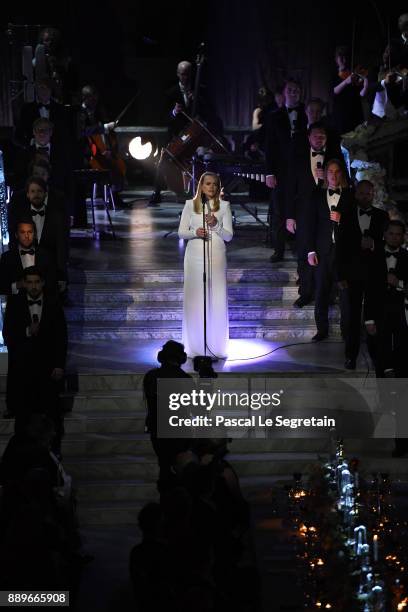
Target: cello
(105, 150)
(181, 149)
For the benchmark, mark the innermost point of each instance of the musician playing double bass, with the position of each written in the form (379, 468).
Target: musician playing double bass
(186, 97)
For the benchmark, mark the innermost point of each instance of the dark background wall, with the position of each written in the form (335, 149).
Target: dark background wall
(123, 46)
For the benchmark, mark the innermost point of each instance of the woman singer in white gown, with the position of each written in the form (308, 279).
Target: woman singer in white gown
(217, 231)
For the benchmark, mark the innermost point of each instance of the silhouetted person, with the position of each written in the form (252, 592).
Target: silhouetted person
(171, 358)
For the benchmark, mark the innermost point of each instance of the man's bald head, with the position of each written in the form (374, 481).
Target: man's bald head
(403, 23)
(184, 72)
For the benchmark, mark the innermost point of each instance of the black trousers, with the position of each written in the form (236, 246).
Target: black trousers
(324, 278)
(392, 339)
(326, 290)
(352, 321)
(305, 271)
(30, 389)
(277, 219)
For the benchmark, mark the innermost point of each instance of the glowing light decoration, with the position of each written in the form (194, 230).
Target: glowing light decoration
(3, 206)
(138, 150)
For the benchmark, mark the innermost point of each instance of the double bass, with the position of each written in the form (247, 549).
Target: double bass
(180, 151)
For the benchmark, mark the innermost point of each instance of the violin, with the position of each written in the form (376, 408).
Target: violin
(360, 71)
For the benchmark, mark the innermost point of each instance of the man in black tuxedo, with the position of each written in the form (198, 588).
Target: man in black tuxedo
(54, 199)
(305, 174)
(35, 333)
(179, 103)
(360, 235)
(280, 129)
(25, 254)
(50, 225)
(51, 148)
(384, 311)
(327, 205)
(179, 100)
(43, 107)
(385, 318)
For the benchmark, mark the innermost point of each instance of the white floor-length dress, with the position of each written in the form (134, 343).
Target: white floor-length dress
(216, 269)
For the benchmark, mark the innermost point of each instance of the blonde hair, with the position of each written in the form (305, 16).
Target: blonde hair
(197, 201)
(340, 165)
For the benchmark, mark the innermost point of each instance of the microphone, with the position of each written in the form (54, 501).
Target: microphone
(204, 202)
(319, 167)
(391, 271)
(334, 224)
(334, 209)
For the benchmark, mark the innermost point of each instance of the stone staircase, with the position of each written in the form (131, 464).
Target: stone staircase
(114, 468)
(105, 448)
(128, 304)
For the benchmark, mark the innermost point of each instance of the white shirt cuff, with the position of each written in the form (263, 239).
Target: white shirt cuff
(311, 253)
(369, 322)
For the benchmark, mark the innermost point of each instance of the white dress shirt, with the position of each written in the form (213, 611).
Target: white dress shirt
(39, 221)
(48, 147)
(44, 111)
(392, 264)
(35, 309)
(292, 118)
(332, 200)
(26, 261)
(185, 91)
(314, 160)
(364, 220)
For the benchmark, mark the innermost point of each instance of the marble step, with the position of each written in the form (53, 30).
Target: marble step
(171, 311)
(93, 386)
(284, 273)
(109, 514)
(277, 331)
(109, 406)
(173, 292)
(97, 491)
(135, 467)
(114, 435)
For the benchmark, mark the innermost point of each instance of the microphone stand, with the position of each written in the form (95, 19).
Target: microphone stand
(204, 281)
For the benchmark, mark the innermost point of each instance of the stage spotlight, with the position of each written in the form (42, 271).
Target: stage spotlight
(138, 150)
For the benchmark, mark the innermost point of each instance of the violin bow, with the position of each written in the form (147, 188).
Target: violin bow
(125, 110)
(353, 40)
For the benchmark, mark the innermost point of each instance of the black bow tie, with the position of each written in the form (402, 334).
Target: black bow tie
(392, 254)
(314, 153)
(33, 302)
(333, 191)
(37, 212)
(29, 252)
(43, 150)
(367, 212)
(47, 106)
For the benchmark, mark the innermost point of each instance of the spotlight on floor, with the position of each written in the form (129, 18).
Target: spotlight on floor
(140, 150)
